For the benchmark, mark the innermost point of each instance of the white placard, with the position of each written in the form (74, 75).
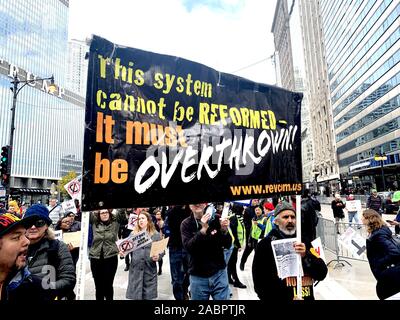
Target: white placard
(74, 188)
(353, 205)
(69, 206)
(317, 245)
(133, 242)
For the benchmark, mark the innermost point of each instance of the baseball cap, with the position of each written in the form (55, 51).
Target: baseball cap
(9, 221)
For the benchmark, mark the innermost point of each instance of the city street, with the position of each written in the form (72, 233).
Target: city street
(354, 282)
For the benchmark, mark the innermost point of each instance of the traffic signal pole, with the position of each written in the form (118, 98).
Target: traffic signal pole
(11, 142)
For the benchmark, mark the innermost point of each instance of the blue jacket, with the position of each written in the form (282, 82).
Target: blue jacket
(23, 286)
(382, 251)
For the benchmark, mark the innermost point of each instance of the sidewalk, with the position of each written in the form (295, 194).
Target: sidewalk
(348, 282)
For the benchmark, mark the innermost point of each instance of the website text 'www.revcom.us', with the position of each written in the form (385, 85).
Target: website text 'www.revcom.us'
(265, 189)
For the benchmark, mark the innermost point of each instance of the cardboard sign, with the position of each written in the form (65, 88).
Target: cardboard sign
(73, 238)
(158, 247)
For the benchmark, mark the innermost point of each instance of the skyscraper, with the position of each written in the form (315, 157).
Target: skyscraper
(362, 54)
(77, 66)
(48, 127)
(326, 170)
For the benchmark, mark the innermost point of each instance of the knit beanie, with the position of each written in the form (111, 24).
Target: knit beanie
(283, 206)
(39, 211)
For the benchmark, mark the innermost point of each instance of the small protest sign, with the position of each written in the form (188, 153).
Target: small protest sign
(133, 242)
(69, 206)
(132, 220)
(73, 238)
(158, 247)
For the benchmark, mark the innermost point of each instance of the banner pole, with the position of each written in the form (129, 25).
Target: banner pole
(298, 236)
(81, 265)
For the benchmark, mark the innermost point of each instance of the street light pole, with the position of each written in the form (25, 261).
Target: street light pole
(15, 91)
(381, 157)
(383, 176)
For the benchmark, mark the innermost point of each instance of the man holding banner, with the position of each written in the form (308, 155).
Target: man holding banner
(267, 283)
(205, 237)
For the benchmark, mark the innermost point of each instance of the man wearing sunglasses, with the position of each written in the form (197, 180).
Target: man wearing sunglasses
(49, 258)
(16, 282)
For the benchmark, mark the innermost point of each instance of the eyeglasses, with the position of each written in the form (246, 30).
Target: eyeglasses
(39, 223)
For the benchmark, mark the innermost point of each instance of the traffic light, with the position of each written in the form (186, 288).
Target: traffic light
(5, 154)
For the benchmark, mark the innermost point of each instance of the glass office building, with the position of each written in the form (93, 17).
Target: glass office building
(48, 138)
(362, 53)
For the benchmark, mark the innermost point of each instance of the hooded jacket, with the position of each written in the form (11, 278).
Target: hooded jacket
(382, 251)
(269, 286)
(23, 286)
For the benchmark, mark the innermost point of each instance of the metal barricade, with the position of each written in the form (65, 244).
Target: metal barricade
(333, 238)
(348, 246)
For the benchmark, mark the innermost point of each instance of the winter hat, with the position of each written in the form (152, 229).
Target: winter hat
(38, 211)
(283, 206)
(396, 196)
(269, 206)
(9, 221)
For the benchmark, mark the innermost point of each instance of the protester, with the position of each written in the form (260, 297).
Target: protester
(267, 284)
(17, 284)
(239, 233)
(248, 217)
(269, 216)
(56, 212)
(309, 217)
(353, 215)
(257, 232)
(178, 256)
(159, 225)
(205, 237)
(123, 233)
(49, 258)
(396, 202)
(383, 254)
(142, 281)
(337, 206)
(14, 209)
(103, 252)
(374, 202)
(67, 225)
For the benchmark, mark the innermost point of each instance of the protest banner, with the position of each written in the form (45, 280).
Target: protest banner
(163, 130)
(133, 242)
(353, 206)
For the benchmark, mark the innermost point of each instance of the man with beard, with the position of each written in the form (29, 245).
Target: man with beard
(267, 284)
(16, 282)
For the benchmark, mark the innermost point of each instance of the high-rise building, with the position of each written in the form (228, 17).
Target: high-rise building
(290, 72)
(362, 48)
(48, 127)
(326, 170)
(77, 66)
(283, 45)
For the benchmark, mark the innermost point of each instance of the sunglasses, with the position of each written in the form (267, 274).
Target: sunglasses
(39, 223)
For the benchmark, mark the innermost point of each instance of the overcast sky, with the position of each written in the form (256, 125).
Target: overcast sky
(227, 35)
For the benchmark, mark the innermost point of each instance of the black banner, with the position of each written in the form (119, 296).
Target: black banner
(163, 130)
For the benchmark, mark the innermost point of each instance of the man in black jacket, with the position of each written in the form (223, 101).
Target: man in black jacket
(205, 237)
(267, 283)
(16, 282)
